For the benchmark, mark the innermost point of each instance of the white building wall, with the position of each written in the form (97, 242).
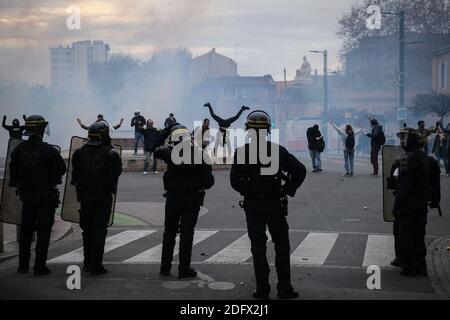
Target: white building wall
(70, 65)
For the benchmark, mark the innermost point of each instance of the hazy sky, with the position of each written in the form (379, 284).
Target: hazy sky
(263, 35)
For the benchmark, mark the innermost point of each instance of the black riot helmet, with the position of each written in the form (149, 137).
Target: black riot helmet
(257, 120)
(179, 133)
(410, 138)
(98, 133)
(35, 126)
(15, 123)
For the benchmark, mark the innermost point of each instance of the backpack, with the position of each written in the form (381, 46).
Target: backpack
(350, 142)
(381, 137)
(320, 145)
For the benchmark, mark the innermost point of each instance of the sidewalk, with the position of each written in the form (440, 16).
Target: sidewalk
(11, 246)
(438, 261)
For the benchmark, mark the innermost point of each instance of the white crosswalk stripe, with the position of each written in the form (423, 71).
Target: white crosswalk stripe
(154, 254)
(314, 250)
(113, 242)
(379, 251)
(236, 252)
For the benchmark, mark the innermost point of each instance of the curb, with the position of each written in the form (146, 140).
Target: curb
(438, 266)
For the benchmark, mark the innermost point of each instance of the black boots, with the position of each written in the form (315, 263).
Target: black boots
(189, 273)
(23, 269)
(287, 294)
(96, 271)
(263, 293)
(395, 262)
(41, 271)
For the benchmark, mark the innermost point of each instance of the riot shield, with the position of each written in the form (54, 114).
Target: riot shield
(70, 205)
(389, 155)
(11, 206)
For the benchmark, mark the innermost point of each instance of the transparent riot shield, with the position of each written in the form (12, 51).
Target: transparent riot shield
(11, 206)
(70, 205)
(389, 155)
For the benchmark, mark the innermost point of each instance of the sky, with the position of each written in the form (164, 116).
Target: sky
(263, 36)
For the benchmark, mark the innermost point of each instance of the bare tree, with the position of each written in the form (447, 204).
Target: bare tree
(422, 17)
(437, 103)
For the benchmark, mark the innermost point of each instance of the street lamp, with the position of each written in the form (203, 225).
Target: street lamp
(401, 55)
(325, 89)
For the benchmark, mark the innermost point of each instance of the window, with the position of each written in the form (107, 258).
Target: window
(443, 75)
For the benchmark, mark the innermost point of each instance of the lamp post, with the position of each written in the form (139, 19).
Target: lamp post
(401, 57)
(325, 90)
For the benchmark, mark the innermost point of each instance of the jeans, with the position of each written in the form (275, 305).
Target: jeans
(137, 137)
(315, 158)
(148, 154)
(349, 157)
(442, 156)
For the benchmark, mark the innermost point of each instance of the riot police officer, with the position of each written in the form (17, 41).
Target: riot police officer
(265, 203)
(412, 196)
(36, 169)
(96, 170)
(185, 182)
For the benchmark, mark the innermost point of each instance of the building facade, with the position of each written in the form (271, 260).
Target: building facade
(440, 70)
(70, 65)
(211, 64)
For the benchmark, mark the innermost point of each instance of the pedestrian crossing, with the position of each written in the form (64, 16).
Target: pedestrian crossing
(233, 247)
(315, 249)
(379, 249)
(111, 243)
(154, 254)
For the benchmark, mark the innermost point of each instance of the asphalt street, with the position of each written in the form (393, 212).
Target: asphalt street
(336, 231)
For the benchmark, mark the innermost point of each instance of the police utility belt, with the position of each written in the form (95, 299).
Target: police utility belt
(261, 186)
(184, 190)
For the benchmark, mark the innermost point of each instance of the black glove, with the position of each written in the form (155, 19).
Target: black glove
(286, 192)
(207, 104)
(433, 205)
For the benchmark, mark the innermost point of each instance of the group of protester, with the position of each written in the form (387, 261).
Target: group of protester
(151, 137)
(144, 133)
(316, 144)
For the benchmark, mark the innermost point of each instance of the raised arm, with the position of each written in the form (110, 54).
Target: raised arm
(339, 131)
(117, 126)
(82, 125)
